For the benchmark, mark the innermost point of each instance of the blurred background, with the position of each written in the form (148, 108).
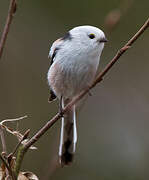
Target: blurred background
(113, 126)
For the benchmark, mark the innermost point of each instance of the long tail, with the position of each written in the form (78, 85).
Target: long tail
(68, 137)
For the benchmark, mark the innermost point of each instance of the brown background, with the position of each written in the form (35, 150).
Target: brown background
(113, 127)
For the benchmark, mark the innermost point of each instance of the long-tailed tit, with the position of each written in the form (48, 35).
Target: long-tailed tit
(75, 58)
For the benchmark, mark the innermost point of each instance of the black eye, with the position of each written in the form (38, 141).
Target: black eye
(91, 36)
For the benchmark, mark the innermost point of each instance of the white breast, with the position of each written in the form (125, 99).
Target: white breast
(72, 73)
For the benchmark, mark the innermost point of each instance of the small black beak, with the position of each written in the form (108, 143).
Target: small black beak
(103, 40)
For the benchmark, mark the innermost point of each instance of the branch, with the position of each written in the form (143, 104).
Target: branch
(5, 162)
(80, 96)
(7, 167)
(3, 140)
(11, 11)
(4, 149)
(19, 159)
(83, 93)
(19, 144)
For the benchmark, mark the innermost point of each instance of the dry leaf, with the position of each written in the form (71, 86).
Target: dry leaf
(30, 175)
(22, 177)
(2, 174)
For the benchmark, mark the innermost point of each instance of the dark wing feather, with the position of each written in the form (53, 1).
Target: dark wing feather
(53, 55)
(52, 96)
(67, 36)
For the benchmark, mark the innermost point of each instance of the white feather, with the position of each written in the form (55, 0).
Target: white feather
(74, 67)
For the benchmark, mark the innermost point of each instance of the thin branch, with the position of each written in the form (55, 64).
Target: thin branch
(11, 11)
(4, 149)
(97, 80)
(13, 120)
(81, 95)
(19, 159)
(19, 143)
(5, 162)
(10, 130)
(7, 167)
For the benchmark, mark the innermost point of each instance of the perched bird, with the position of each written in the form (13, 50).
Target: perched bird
(74, 62)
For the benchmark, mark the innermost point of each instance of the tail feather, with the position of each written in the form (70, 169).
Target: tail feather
(68, 137)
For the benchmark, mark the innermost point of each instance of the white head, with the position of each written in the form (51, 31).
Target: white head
(89, 36)
(75, 58)
(87, 40)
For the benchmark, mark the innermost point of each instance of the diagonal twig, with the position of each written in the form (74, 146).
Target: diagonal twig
(19, 143)
(11, 11)
(98, 79)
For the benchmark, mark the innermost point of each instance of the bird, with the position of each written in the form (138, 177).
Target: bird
(74, 61)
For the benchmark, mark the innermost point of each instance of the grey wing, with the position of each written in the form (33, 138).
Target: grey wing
(56, 46)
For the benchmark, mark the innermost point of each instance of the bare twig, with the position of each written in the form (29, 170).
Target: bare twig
(13, 120)
(97, 80)
(7, 167)
(3, 140)
(5, 162)
(10, 130)
(4, 149)
(75, 100)
(19, 143)
(20, 156)
(11, 11)
(8, 159)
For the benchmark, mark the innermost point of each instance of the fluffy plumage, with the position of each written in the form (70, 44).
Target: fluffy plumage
(75, 59)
